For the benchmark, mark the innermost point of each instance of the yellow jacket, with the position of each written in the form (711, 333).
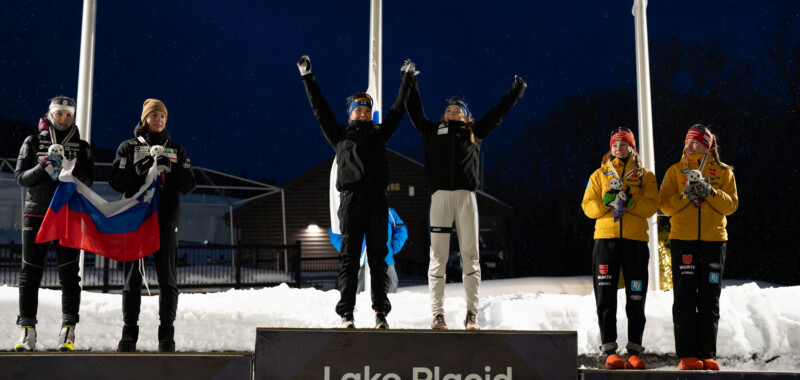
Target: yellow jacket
(633, 224)
(707, 222)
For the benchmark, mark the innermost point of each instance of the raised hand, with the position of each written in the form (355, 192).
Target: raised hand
(304, 65)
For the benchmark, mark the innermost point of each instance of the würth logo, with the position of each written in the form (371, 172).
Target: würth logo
(603, 269)
(687, 259)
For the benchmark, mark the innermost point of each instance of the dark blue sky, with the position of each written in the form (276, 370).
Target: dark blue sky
(226, 70)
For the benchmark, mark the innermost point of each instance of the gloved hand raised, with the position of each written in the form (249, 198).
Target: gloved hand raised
(143, 165)
(409, 67)
(519, 82)
(304, 65)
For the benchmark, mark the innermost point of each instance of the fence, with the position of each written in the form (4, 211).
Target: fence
(199, 266)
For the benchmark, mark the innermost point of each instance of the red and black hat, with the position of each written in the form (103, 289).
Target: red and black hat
(623, 134)
(701, 134)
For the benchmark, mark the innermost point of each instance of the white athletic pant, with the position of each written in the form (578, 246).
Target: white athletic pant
(461, 207)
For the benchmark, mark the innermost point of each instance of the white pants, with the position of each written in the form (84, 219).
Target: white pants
(461, 207)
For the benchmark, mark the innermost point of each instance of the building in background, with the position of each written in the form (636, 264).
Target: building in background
(307, 220)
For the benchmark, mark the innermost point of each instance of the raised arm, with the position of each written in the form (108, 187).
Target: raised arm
(322, 111)
(395, 114)
(495, 116)
(415, 111)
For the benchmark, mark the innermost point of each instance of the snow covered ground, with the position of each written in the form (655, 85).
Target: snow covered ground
(759, 326)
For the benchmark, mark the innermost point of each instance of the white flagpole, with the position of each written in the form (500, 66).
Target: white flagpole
(375, 88)
(83, 112)
(646, 149)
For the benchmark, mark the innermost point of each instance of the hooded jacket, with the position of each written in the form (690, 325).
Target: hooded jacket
(707, 222)
(644, 190)
(360, 151)
(30, 174)
(452, 150)
(179, 180)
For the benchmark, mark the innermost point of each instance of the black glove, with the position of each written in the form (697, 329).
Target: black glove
(690, 191)
(304, 65)
(164, 164)
(519, 82)
(409, 67)
(143, 165)
(702, 188)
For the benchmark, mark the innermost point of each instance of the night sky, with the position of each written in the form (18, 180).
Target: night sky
(226, 70)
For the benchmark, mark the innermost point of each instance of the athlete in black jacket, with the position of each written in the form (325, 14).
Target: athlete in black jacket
(362, 177)
(452, 147)
(128, 174)
(38, 172)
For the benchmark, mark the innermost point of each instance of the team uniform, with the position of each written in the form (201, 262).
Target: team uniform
(41, 181)
(698, 242)
(452, 153)
(178, 179)
(621, 245)
(362, 178)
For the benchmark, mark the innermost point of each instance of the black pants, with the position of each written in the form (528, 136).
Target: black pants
(363, 212)
(696, 277)
(30, 277)
(609, 256)
(166, 260)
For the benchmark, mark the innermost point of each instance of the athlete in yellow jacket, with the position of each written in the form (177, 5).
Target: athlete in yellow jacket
(698, 193)
(621, 195)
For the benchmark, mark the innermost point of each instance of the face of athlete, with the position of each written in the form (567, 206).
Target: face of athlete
(156, 121)
(454, 113)
(361, 113)
(620, 149)
(63, 118)
(694, 147)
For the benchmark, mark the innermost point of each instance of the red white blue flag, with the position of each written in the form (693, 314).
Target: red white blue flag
(123, 230)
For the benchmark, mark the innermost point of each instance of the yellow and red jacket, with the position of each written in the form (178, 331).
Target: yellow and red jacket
(707, 222)
(633, 224)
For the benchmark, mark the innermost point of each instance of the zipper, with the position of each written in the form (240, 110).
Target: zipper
(624, 166)
(452, 155)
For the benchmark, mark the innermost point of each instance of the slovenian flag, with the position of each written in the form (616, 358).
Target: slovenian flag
(123, 230)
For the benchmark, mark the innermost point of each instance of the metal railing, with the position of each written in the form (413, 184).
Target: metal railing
(209, 266)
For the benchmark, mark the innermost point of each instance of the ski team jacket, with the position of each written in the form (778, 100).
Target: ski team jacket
(398, 234)
(360, 152)
(451, 158)
(30, 174)
(707, 222)
(180, 180)
(633, 224)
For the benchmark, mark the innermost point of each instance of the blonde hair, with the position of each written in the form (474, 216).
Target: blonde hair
(636, 161)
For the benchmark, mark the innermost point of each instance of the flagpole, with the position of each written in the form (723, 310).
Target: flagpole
(375, 88)
(646, 151)
(83, 112)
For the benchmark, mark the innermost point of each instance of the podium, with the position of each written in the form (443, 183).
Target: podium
(349, 354)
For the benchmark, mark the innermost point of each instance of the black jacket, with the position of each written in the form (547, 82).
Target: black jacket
(451, 157)
(180, 180)
(360, 152)
(29, 173)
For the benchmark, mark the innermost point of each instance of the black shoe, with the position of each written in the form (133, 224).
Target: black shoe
(130, 335)
(166, 338)
(348, 322)
(380, 321)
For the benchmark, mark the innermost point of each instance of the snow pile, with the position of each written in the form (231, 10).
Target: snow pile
(755, 321)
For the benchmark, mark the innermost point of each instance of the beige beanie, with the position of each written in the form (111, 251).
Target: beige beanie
(152, 105)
